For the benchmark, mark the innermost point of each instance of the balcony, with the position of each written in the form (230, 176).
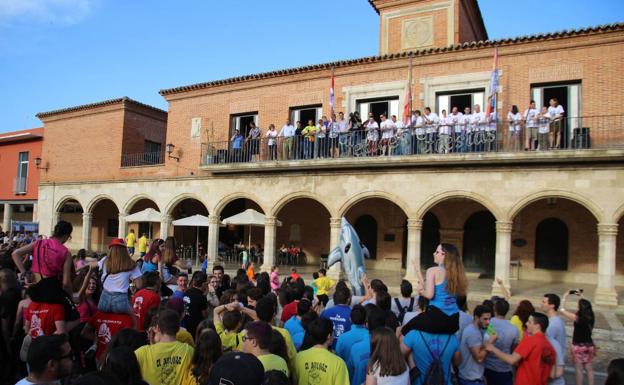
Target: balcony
(142, 159)
(582, 139)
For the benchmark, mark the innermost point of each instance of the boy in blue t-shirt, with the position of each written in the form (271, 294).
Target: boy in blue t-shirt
(340, 314)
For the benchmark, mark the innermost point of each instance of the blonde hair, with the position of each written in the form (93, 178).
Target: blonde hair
(457, 284)
(169, 252)
(118, 260)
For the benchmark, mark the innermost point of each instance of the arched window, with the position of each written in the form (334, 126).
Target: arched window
(366, 228)
(480, 242)
(551, 245)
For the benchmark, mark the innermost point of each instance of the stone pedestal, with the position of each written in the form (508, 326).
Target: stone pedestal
(87, 219)
(503, 256)
(412, 267)
(270, 229)
(335, 225)
(607, 239)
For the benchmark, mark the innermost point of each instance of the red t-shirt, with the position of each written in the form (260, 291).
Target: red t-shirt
(142, 301)
(42, 317)
(289, 310)
(106, 326)
(538, 357)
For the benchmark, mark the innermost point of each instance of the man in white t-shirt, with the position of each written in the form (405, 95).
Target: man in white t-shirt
(456, 127)
(466, 130)
(555, 111)
(403, 137)
(530, 122)
(387, 128)
(431, 129)
(418, 133)
(478, 123)
(444, 134)
(372, 135)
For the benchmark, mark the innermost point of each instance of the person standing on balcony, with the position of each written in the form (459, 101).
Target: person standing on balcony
(543, 131)
(321, 139)
(466, 135)
(271, 136)
(253, 142)
(387, 134)
(333, 130)
(478, 128)
(456, 127)
(418, 133)
(287, 133)
(372, 135)
(514, 118)
(556, 112)
(343, 138)
(237, 146)
(309, 136)
(444, 134)
(530, 122)
(431, 122)
(403, 137)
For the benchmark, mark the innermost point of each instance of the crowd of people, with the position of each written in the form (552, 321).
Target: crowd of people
(122, 320)
(470, 130)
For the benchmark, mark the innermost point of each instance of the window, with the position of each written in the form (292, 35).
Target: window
(305, 113)
(388, 106)
(22, 173)
(241, 122)
(460, 99)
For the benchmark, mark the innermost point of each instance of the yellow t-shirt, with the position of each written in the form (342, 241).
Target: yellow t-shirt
(515, 321)
(229, 340)
(274, 362)
(320, 367)
(323, 284)
(309, 132)
(130, 239)
(184, 336)
(166, 363)
(290, 347)
(143, 245)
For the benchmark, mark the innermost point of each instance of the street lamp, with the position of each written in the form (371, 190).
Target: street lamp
(170, 147)
(38, 164)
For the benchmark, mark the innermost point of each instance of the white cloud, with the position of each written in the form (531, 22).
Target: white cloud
(65, 12)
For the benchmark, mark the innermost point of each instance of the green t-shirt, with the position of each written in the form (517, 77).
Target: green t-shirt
(320, 367)
(274, 362)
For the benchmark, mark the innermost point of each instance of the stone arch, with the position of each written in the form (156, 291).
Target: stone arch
(344, 208)
(136, 198)
(585, 202)
(232, 197)
(179, 198)
(433, 200)
(65, 199)
(283, 201)
(619, 213)
(97, 199)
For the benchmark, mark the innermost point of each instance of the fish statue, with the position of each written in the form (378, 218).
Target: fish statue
(349, 252)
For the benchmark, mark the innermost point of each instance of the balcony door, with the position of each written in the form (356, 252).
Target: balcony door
(388, 106)
(569, 97)
(304, 114)
(460, 99)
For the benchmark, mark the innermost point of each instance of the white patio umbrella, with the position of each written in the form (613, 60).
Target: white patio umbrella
(249, 217)
(147, 215)
(196, 221)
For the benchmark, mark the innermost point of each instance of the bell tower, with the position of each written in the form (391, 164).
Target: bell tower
(408, 25)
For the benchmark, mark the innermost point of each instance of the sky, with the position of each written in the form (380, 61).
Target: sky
(61, 53)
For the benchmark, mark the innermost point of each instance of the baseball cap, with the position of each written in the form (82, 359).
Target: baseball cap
(237, 368)
(117, 242)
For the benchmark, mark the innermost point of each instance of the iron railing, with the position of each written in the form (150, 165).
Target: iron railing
(142, 159)
(591, 132)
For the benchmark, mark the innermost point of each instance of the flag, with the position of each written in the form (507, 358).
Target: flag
(493, 86)
(331, 95)
(407, 103)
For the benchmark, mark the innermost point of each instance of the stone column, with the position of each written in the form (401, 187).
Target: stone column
(35, 216)
(503, 256)
(87, 219)
(607, 238)
(414, 232)
(165, 222)
(212, 248)
(270, 229)
(335, 225)
(6, 218)
(123, 227)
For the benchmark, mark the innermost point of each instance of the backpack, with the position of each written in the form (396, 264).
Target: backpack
(435, 372)
(403, 309)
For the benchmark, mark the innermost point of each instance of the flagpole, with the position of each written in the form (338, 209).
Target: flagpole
(409, 84)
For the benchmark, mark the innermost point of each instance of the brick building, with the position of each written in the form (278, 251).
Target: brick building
(547, 215)
(19, 151)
